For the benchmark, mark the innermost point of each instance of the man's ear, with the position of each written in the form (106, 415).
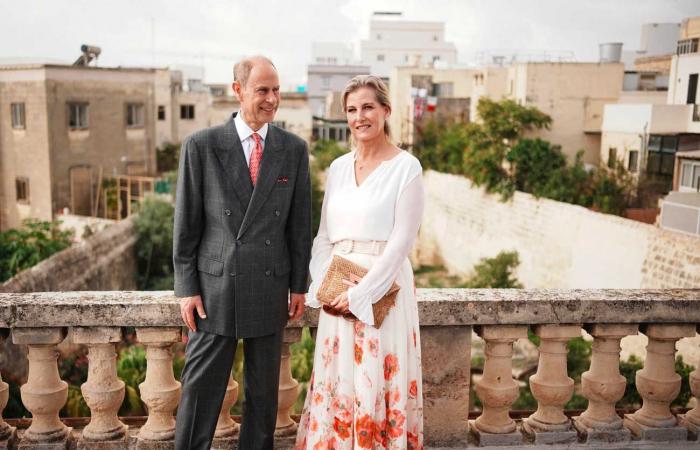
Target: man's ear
(236, 86)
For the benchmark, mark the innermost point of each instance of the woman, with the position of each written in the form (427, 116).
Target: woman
(365, 391)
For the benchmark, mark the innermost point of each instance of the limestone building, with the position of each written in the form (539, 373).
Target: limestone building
(63, 126)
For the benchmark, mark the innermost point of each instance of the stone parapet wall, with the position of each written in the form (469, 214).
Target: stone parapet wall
(103, 262)
(560, 245)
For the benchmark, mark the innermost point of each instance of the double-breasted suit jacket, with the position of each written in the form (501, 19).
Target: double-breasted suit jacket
(242, 247)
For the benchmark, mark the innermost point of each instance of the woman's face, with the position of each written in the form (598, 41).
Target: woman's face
(365, 115)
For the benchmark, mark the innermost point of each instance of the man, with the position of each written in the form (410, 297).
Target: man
(241, 243)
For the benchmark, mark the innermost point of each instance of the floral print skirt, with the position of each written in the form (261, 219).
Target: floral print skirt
(366, 386)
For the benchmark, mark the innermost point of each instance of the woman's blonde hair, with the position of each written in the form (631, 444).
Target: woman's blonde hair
(381, 91)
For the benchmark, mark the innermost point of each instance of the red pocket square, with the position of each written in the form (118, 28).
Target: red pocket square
(282, 180)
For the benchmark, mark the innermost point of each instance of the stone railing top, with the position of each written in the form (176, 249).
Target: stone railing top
(437, 307)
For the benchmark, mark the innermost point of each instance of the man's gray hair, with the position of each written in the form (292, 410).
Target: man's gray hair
(241, 71)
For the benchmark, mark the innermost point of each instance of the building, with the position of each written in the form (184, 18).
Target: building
(421, 94)
(182, 104)
(646, 137)
(394, 42)
(293, 114)
(657, 44)
(573, 94)
(62, 128)
(327, 78)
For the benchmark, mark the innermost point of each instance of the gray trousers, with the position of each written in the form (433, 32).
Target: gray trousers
(208, 363)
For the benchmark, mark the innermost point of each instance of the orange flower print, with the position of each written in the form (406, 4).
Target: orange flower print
(364, 429)
(412, 441)
(394, 423)
(358, 354)
(342, 428)
(413, 389)
(326, 444)
(317, 398)
(313, 425)
(391, 366)
(336, 345)
(360, 328)
(380, 433)
(374, 347)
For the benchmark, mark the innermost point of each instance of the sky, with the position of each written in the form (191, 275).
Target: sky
(215, 33)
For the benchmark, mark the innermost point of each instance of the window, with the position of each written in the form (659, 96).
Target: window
(435, 37)
(690, 175)
(187, 112)
(612, 157)
(77, 115)
(379, 36)
(687, 46)
(161, 112)
(436, 58)
(662, 154)
(134, 115)
(633, 160)
(22, 188)
(17, 112)
(279, 123)
(380, 57)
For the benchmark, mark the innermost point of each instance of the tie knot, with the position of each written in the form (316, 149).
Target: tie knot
(257, 138)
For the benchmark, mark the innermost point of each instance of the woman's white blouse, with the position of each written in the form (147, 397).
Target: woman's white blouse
(387, 206)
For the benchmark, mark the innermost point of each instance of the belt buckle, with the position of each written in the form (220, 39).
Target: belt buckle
(346, 246)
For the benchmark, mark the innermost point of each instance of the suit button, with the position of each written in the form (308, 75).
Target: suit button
(227, 212)
(268, 272)
(267, 242)
(233, 274)
(277, 212)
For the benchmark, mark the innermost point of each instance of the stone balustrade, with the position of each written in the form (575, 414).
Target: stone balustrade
(42, 321)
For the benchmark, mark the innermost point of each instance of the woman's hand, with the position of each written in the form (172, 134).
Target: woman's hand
(341, 304)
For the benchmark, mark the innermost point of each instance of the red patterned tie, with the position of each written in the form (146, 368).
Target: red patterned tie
(255, 158)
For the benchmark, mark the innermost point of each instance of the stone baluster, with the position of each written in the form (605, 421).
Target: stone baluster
(104, 391)
(658, 384)
(288, 387)
(497, 390)
(45, 393)
(603, 385)
(159, 391)
(691, 419)
(8, 434)
(551, 386)
(226, 427)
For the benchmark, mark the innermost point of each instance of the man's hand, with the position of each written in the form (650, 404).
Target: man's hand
(296, 305)
(187, 307)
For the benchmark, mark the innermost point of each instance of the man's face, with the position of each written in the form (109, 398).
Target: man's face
(260, 97)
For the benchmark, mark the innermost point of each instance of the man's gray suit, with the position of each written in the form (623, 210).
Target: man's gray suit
(242, 248)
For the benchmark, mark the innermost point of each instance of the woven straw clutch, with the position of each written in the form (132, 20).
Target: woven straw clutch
(332, 286)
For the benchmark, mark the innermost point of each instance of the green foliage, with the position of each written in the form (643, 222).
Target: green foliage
(324, 152)
(167, 157)
(131, 368)
(496, 272)
(494, 154)
(628, 369)
(24, 247)
(154, 254)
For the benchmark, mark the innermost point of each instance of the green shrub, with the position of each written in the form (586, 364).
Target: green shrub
(154, 248)
(496, 272)
(26, 246)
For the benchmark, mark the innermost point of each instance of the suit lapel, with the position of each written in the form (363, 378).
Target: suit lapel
(230, 153)
(272, 160)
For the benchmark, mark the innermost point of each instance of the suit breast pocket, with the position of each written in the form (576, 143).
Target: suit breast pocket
(210, 266)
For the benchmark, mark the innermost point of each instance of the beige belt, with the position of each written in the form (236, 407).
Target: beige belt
(367, 247)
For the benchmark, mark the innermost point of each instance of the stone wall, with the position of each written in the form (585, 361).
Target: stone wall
(560, 245)
(103, 262)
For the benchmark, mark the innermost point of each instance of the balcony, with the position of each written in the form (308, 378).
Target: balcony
(43, 320)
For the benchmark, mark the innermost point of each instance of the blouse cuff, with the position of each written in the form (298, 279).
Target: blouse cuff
(311, 300)
(361, 307)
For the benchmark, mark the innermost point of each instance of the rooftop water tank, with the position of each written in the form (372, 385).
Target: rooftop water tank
(610, 52)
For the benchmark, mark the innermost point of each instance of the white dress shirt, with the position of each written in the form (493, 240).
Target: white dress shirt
(245, 133)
